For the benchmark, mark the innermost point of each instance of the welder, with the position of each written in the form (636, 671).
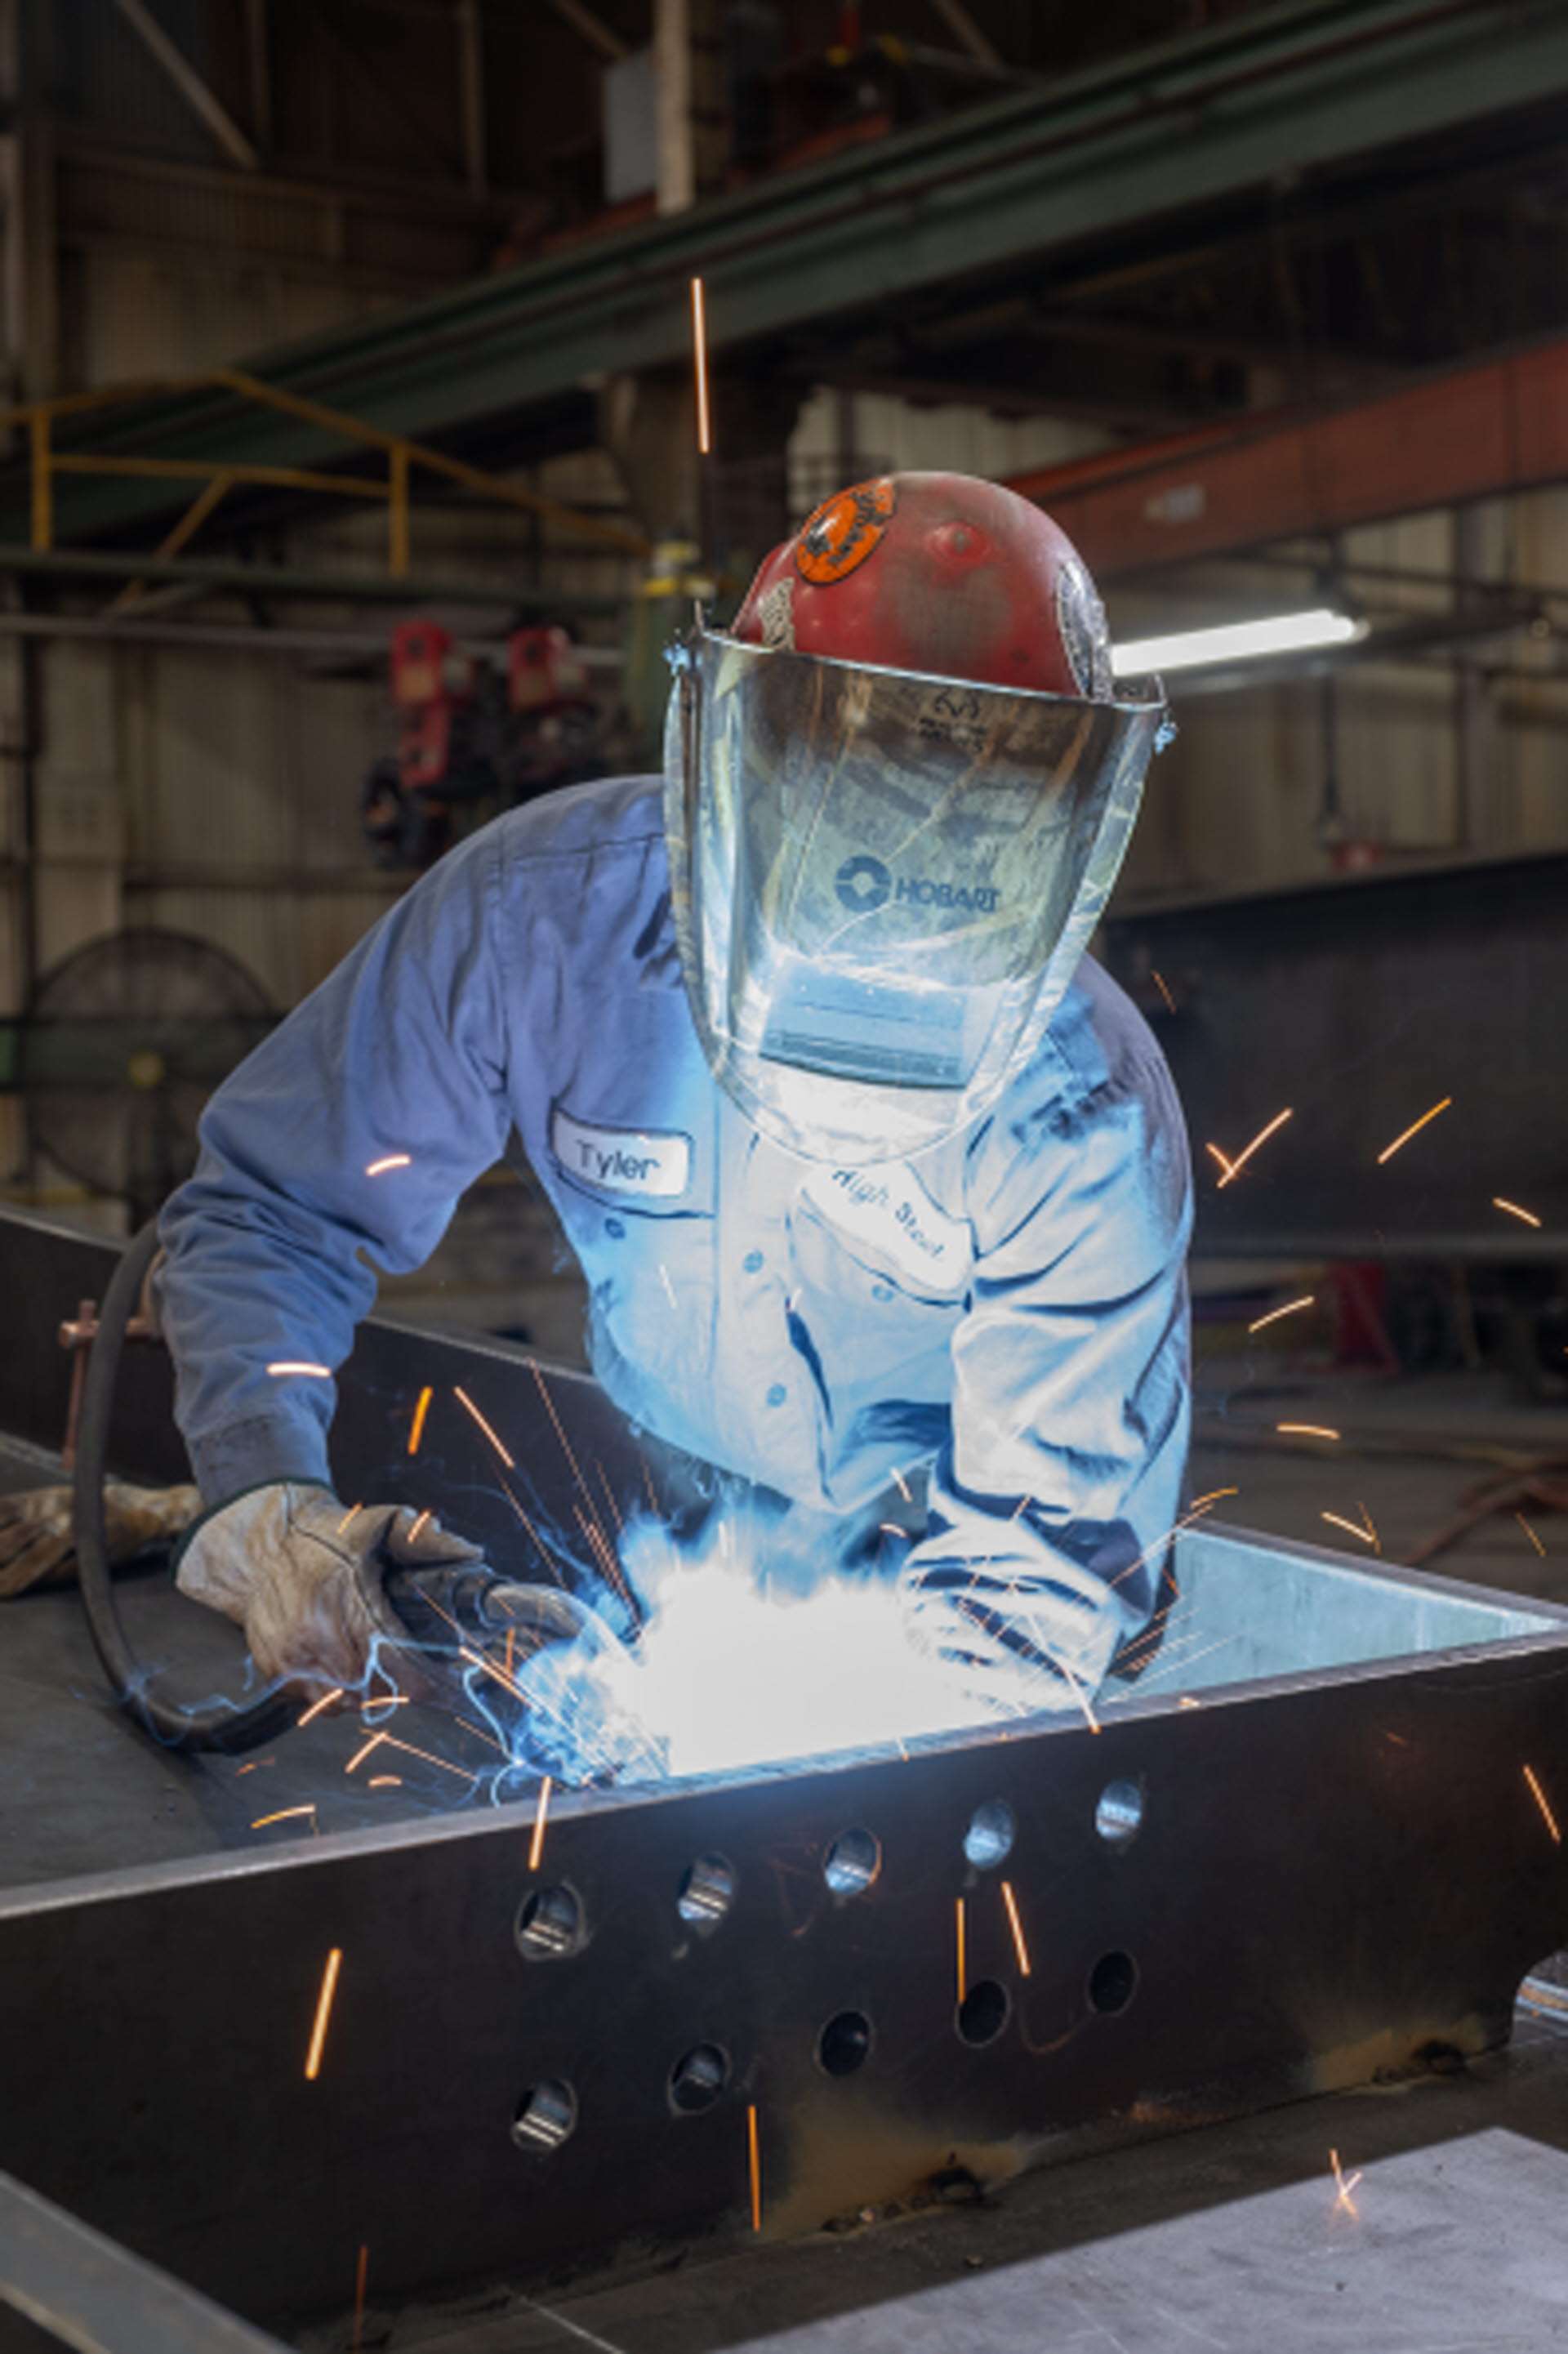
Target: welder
(871, 1169)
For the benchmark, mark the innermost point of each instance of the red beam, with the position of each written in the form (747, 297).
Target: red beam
(1467, 435)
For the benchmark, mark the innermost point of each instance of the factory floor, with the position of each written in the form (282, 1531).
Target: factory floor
(1442, 2234)
(1233, 2237)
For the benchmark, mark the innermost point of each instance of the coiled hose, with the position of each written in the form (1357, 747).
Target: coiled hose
(222, 1724)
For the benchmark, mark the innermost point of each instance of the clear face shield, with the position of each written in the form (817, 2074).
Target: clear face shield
(882, 883)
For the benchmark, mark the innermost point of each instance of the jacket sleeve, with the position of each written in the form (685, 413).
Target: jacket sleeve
(1053, 1506)
(271, 1245)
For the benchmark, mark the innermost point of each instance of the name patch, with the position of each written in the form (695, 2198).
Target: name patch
(888, 1213)
(621, 1160)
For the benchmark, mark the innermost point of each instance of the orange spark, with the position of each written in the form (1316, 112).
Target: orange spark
(417, 1429)
(1539, 1794)
(560, 1434)
(1353, 1526)
(324, 2012)
(604, 1553)
(388, 1161)
(285, 1815)
(1213, 1497)
(352, 1514)
(1530, 1532)
(1367, 1522)
(756, 2167)
(302, 1365)
(360, 1755)
(479, 1734)
(464, 1400)
(255, 1761)
(511, 1648)
(1239, 1163)
(608, 1495)
(361, 2268)
(1010, 1901)
(385, 1782)
(902, 1485)
(1514, 1211)
(428, 1755)
(1158, 980)
(533, 1531)
(537, 1845)
(417, 1526)
(316, 1706)
(1219, 1157)
(963, 1973)
(1275, 1314)
(700, 366)
(1414, 1129)
(488, 1667)
(1305, 1430)
(1345, 2188)
(1080, 1695)
(1187, 1700)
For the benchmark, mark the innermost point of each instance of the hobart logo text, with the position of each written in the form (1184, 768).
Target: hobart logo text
(864, 884)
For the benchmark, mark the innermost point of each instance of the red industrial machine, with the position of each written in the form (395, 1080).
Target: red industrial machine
(474, 738)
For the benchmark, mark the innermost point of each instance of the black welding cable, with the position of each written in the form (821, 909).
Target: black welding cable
(218, 1725)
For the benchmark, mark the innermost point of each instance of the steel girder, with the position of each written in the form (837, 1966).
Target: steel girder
(1282, 90)
(1364, 998)
(1460, 434)
(1303, 1851)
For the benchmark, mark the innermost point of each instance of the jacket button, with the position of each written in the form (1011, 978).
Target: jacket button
(778, 1393)
(752, 1262)
(882, 1291)
(614, 1229)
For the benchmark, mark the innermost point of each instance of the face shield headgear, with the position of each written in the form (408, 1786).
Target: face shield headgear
(884, 879)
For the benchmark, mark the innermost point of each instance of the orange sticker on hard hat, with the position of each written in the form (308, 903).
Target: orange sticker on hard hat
(845, 530)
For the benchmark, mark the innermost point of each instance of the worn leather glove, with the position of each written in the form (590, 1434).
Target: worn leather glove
(301, 1574)
(38, 1546)
(1010, 1645)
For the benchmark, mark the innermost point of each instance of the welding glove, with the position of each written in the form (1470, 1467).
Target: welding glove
(1013, 1647)
(303, 1573)
(37, 1545)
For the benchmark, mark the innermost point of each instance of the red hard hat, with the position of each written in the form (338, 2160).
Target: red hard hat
(941, 574)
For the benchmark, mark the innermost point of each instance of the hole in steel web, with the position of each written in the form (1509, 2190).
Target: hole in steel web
(698, 2078)
(707, 1892)
(854, 1861)
(550, 1925)
(983, 2012)
(1120, 1812)
(546, 2116)
(990, 1837)
(1113, 1982)
(843, 2043)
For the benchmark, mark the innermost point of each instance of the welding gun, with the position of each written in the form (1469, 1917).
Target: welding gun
(465, 1615)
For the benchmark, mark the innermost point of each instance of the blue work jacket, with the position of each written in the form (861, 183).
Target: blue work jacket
(1007, 1307)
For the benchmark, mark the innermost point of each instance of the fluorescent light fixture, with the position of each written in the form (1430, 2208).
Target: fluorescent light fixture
(1282, 633)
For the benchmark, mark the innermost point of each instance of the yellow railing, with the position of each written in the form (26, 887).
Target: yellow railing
(46, 462)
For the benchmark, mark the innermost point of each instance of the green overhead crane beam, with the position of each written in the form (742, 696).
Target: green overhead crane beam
(1287, 90)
